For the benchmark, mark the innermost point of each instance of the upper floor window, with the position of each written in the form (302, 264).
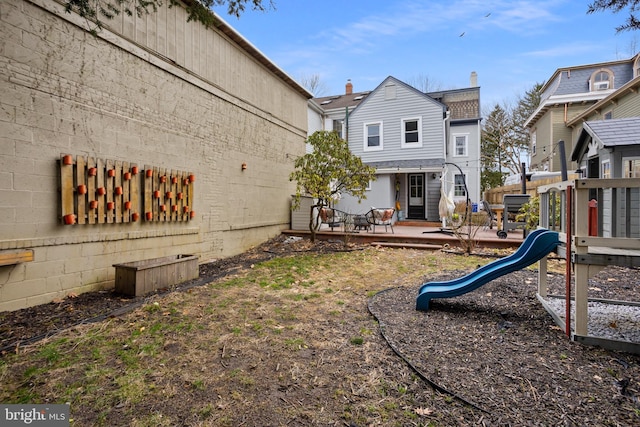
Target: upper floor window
(601, 80)
(636, 66)
(411, 133)
(608, 115)
(460, 143)
(373, 136)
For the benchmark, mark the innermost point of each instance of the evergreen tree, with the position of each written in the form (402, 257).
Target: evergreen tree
(632, 23)
(505, 140)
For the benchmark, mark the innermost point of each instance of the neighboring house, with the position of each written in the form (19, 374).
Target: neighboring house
(611, 149)
(151, 93)
(611, 122)
(409, 136)
(336, 109)
(607, 145)
(566, 96)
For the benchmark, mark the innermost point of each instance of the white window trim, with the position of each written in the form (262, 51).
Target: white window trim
(368, 187)
(605, 169)
(464, 180)
(533, 142)
(365, 144)
(466, 144)
(625, 163)
(603, 84)
(403, 142)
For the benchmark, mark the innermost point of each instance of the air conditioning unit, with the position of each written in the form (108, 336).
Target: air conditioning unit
(601, 85)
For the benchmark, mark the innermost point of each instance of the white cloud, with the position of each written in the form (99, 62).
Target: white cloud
(559, 51)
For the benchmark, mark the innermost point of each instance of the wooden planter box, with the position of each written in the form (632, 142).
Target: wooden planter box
(143, 277)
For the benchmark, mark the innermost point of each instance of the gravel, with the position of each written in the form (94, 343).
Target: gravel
(606, 319)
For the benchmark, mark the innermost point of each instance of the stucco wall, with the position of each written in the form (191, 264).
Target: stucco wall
(66, 91)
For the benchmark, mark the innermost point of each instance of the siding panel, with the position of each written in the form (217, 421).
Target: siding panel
(407, 104)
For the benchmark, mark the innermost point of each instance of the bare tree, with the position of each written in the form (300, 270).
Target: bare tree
(313, 84)
(424, 83)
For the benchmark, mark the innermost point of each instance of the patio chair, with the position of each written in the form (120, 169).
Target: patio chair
(381, 216)
(332, 217)
(491, 215)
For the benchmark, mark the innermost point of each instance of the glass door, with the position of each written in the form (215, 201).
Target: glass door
(416, 196)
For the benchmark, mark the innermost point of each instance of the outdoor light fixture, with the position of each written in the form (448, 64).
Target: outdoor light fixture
(244, 166)
(433, 176)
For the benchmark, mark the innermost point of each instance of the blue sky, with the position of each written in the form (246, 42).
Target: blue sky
(510, 44)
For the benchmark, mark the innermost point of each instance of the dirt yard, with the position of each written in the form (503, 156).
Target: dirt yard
(295, 334)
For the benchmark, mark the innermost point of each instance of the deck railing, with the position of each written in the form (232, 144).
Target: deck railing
(606, 212)
(603, 226)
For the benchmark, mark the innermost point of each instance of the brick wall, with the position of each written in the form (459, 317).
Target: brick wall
(114, 97)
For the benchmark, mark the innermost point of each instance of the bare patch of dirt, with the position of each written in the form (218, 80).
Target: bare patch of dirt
(342, 345)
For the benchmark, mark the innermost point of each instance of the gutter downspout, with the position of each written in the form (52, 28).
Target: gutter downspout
(445, 126)
(446, 118)
(346, 124)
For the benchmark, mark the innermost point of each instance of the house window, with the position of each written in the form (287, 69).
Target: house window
(533, 142)
(459, 187)
(373, 136)
(411, 133)
(601, 80)
(337, 127)
(606, 169)
(608, 115)
(460, 145)
(632, 168)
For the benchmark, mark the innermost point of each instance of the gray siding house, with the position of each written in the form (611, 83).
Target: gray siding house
(409, 136)
(611, 149)
(607, 136)
(336, 109)
(570, 92)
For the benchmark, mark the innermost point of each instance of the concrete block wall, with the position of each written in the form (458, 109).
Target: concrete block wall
(113, 97)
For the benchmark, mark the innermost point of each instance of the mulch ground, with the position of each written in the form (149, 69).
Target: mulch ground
(491, 357)
(498, 350)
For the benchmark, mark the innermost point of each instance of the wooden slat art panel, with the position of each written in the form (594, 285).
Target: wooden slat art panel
(168, 195)
(97, 191)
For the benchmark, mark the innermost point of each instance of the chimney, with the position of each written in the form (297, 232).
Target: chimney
(474, 79)
(348, 87)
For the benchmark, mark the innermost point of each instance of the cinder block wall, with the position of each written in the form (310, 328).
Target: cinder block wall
(154, 90)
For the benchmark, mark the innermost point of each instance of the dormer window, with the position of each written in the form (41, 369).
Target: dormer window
(601, 80)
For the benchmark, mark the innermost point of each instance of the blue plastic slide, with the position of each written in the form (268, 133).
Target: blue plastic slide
(538, 244)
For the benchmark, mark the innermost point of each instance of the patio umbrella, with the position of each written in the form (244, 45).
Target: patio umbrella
(446, 205)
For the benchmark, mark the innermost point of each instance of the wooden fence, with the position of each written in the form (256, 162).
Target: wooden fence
(495, 195)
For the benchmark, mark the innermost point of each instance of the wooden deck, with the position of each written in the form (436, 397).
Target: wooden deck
(415, 234)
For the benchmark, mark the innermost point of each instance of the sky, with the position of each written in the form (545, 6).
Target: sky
(511, 45)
